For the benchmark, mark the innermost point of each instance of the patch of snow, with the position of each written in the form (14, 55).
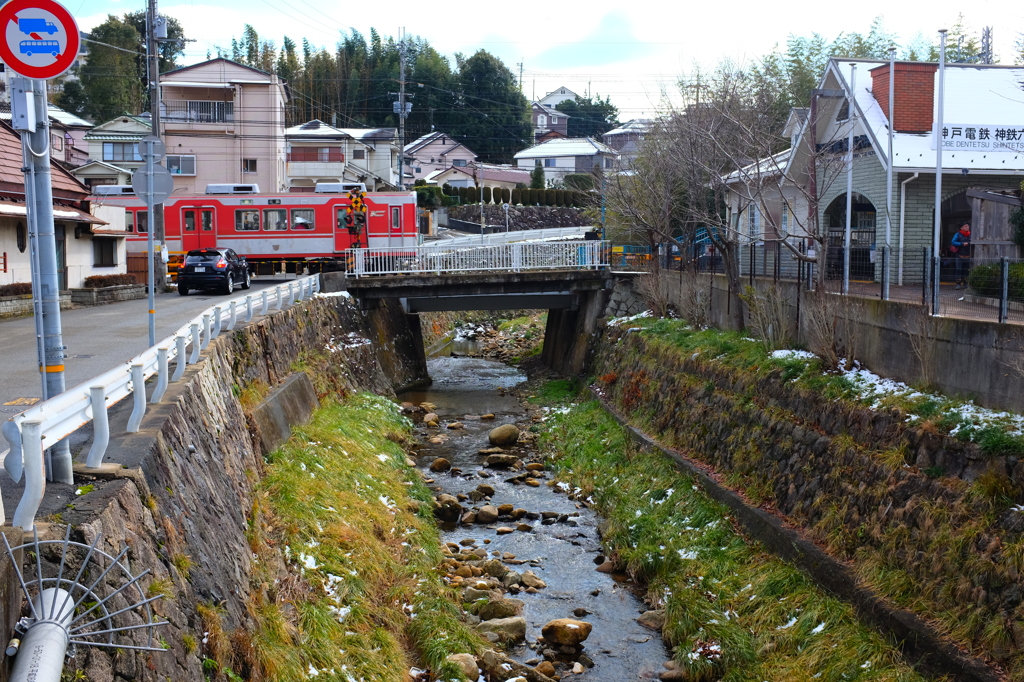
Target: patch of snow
(793, 354)
(616, 321)
(791, 623)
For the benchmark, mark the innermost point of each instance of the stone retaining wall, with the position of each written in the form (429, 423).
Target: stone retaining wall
(124, 292)
(873, 489)
(183, 511)
(16, 306)
(521, 217)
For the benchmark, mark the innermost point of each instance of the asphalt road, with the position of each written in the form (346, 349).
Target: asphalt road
(97, 338)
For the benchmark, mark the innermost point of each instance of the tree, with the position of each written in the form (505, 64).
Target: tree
(169, 49)
(496, 116)
(588, 116)
(537, 177)
(110, 76)
(72, 98)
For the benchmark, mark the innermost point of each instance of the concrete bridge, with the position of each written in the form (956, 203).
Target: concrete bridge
(575, 300)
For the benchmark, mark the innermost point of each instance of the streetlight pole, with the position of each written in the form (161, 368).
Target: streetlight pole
(156, 28)
(936, 261)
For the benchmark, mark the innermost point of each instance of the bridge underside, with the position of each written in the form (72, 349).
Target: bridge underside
(551, 301)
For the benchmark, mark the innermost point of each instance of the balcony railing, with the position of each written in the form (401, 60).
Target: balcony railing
(198, 111)
(317, 154)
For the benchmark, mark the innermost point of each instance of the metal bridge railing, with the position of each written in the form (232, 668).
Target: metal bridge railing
(49, 422)
(441, 258)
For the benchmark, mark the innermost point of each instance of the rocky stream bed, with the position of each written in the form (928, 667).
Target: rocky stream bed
(524, 551)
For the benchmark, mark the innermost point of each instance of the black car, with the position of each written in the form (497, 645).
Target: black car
(213, 269)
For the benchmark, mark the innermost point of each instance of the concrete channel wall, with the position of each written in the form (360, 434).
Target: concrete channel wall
(960, 357)
(180, 491)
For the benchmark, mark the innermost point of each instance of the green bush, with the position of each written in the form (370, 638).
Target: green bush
(550, 197)
(100, 281)
(516, 197)
(17, 289)
(986, 280)
(488, 195)
(537, 177)
(560, 197)
(427, 196)
(579, 181)
(447, 189)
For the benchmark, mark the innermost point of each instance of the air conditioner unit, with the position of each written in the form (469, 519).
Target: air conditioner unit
(226, 188)
(338, 187)
(113, 190)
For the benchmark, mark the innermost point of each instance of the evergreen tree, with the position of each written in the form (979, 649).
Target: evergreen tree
(496, 116)
(110, 76)
(537, 178)
(73, 98)
(589, 116)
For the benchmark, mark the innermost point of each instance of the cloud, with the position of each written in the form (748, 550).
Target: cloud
(611, 42)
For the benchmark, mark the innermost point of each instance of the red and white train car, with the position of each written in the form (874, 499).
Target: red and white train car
(274, 232)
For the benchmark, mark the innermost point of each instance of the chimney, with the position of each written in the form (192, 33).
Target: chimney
(914, 100)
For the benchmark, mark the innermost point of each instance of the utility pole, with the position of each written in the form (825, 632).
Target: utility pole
(401, 108)
(156, 28)
(521, 77)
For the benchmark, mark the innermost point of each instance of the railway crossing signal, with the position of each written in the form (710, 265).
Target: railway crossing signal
(355, 216)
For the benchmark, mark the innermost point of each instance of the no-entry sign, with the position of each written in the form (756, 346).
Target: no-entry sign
(39, 38)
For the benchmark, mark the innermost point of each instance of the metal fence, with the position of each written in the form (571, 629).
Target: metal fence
(49, 422)
(441, 258)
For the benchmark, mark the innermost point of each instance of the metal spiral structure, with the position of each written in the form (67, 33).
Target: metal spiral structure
(70, 611)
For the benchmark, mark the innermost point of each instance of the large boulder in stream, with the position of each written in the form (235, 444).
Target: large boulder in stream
(487, 514)
(501, 461)
(566, 631)
(506, 434)
(507, 629)
(447, 508)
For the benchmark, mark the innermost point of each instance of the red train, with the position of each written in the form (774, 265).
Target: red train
(275, 232)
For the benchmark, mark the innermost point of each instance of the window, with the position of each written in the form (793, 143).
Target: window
(607, 163)
(129, 220)
(302, 219)
(190, 221)
(554, 120)
(275, 219)
(459, 163)
(358, 154)
(784, 220)
(181, 164)
(248, 165)
(104, 253)
(247, 220)
(22, 237)
(142, 221)
(396, 218)
(207, 221)
(549, 163)
(753, 223)
(542, 120)
(57, 143)
(121, 151)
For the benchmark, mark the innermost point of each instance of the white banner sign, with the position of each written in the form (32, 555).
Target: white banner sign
(981, 138)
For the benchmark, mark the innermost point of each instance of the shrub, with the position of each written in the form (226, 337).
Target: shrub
(550, 197)
(428, 196)
(447, 189)
(559, 197)
(100, 281)
(987, 280)
(16, 289)
(579, 181)
(537, 177)
(487, 195)
(516, 197)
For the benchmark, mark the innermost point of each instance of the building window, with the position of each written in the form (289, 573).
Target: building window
(22, 237)
(275, 219)
(753, 223)
(302, 219)
(181, 164)
(359, 154)
(104, 253)
(549, 163)
(247, 220)
(542, 120)
(248, 165)
(459, 163)
(607, 163)
(554, 120)
(121, 151)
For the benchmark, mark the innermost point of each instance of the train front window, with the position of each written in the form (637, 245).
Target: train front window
(275, 219)
(247, 220)
(302, 219)
(190, 221)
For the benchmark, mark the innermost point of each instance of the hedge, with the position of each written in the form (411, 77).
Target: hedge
(101, 281)
(986, 280)
(16, 289)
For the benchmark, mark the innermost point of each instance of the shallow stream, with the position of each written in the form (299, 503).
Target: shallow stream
(563, 553)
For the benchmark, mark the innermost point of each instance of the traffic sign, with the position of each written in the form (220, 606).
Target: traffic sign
(159, 148)
(161, 182)
(38, 38)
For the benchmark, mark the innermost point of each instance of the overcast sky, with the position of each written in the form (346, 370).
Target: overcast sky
(632, 52)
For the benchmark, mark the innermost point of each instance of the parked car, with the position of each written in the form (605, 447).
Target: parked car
(213, 269)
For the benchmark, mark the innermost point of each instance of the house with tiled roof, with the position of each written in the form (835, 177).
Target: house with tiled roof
(90, 238)
(318, 152)
(475, 175)
(565, 156)
(548, 122)
(434, 152)
(113, 148)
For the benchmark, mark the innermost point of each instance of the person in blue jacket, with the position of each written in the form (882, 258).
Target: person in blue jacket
(960, 247)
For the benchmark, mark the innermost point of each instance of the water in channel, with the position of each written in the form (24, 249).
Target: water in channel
(562, 553)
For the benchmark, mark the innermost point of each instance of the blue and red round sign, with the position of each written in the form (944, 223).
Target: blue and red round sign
(39, 38)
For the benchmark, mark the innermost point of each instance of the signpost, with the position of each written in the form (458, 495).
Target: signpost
(39, 40)
(154, 183)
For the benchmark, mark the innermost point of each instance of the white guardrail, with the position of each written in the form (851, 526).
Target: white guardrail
(438, 258)
(49, 422)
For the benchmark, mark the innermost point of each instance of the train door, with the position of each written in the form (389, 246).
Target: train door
(198, 230)
(343, 239)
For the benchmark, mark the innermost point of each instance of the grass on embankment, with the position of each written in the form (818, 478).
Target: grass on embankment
(734, 612)
(363, 599)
